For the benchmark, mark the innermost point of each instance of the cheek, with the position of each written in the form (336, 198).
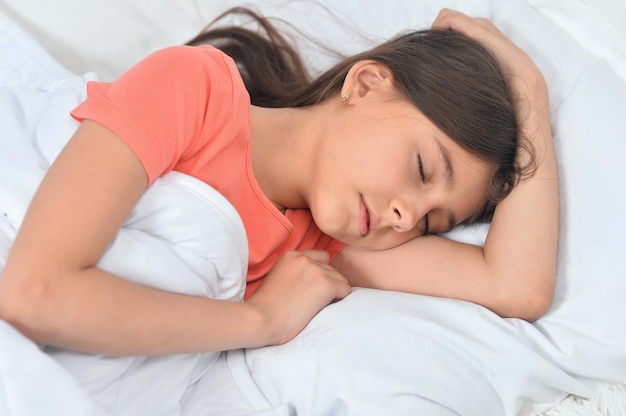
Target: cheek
(384, 172)
(329, 211)
(473, 200)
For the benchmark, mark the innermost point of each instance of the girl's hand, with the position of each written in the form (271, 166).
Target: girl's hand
(298, 287)
(515, 63)
(523, 76)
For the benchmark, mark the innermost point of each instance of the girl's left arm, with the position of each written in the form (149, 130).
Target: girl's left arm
(514, 273)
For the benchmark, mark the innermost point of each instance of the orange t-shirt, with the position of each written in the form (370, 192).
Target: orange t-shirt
(186, 109)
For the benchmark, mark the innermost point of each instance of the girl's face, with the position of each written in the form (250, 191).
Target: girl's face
(389, 175)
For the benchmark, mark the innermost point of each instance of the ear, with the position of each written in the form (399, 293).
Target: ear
(366, 77)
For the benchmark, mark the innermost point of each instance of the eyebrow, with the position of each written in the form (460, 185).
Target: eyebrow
(448, 172)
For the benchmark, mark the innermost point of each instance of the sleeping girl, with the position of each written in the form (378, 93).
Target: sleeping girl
(337, 180)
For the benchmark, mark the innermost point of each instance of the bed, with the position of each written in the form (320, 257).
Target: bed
(375, 352)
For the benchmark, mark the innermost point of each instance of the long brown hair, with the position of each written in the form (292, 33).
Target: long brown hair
(451, 79)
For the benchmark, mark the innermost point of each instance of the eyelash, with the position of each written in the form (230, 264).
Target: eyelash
(420, 167)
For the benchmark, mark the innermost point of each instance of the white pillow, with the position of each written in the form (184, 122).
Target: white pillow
(376, 351)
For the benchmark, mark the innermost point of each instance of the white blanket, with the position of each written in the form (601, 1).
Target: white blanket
(374, 352)
(182, 236)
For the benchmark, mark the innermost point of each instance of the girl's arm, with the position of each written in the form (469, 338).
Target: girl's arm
(52, 291)
(514, 273)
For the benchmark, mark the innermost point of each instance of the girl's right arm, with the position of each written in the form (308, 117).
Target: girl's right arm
(52, 291)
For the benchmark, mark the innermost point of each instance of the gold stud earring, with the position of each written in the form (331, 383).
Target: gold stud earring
(346, 97)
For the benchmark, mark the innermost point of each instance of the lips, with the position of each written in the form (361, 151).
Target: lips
(364, 218)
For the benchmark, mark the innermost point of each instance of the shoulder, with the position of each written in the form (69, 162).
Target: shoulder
(191, 54)
(204, 58)
(197, 71)
(196, 75)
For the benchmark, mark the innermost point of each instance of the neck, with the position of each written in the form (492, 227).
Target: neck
(284, 145)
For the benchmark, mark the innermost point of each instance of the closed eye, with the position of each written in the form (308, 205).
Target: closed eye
(420, 167)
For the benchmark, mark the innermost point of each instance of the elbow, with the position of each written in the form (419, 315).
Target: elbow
(531, 303)
(536, 306)
(26, 308)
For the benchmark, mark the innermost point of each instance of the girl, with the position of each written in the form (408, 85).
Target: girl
(341, 181)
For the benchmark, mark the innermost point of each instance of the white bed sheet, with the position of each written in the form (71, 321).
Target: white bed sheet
(391, 353)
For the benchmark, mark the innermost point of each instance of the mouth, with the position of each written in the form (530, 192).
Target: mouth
(364, 218)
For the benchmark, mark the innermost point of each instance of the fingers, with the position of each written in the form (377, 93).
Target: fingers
(317, 255)
(342, 287)
(321, 259)
(296, 289)
(449, 19)
(515, 63)
(445, 20)
(477, 28)
(310, 271)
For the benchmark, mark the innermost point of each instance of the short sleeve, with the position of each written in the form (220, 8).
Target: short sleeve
(163, 106)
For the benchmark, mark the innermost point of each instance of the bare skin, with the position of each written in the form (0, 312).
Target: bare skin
(365, 155)
(514, 273)
(63, 299)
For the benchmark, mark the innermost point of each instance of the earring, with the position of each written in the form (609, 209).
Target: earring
(346, 97)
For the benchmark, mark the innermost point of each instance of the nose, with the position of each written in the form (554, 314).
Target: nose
(405, 216)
